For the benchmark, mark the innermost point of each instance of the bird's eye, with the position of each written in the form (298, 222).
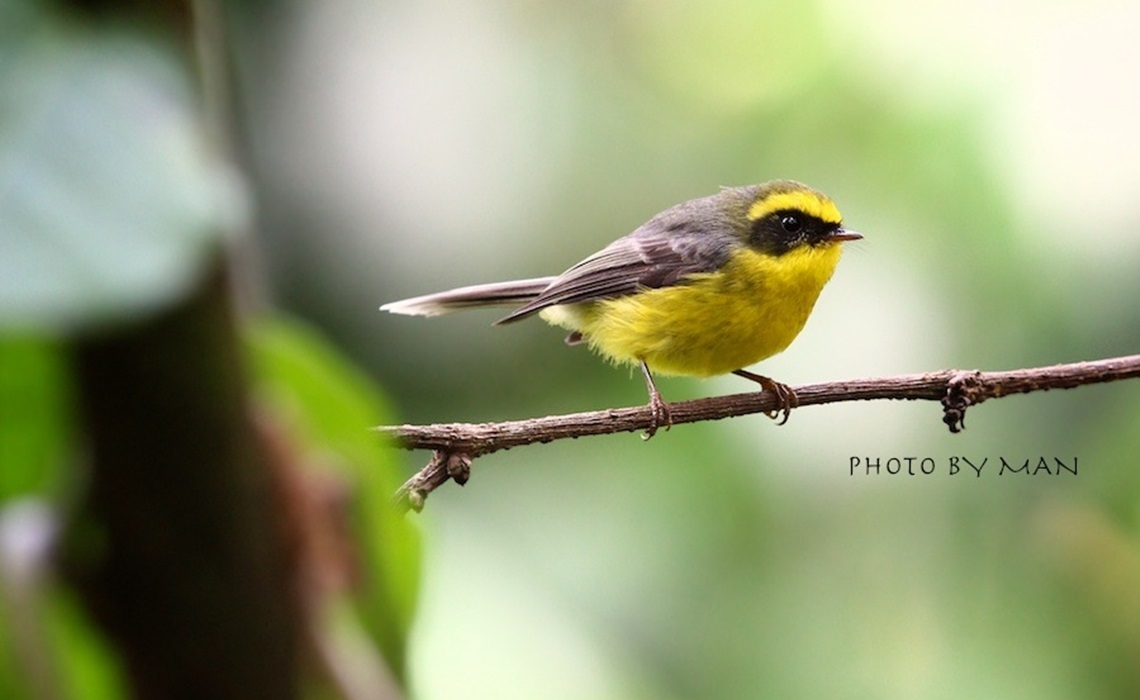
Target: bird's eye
(791, 223)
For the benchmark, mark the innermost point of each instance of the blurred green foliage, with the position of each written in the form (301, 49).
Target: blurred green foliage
(101, 145)
(328, 405)
(47, 644)
(112, 201)
(35, 429)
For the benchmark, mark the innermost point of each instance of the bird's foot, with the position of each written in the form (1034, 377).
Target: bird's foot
(660, 414)
(785, 395)
(660, 410)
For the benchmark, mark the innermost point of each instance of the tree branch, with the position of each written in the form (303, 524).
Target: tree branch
(455, 445)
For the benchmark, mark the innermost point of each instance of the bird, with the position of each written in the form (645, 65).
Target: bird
(707, 287)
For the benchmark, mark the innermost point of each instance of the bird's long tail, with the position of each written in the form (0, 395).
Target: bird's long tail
(480, 295)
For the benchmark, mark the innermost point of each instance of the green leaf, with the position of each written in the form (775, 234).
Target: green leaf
(330, 406)
(35, 421)
(110, 200)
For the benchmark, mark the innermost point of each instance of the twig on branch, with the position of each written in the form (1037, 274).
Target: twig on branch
(455, 445)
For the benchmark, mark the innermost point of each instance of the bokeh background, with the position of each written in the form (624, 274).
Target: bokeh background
(989, 153)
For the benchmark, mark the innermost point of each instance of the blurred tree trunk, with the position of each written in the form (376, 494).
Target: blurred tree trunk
(179, 548)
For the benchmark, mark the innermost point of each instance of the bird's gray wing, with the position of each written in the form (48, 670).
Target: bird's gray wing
(661, 253)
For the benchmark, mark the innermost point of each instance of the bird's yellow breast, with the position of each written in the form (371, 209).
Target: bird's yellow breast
(714, 323)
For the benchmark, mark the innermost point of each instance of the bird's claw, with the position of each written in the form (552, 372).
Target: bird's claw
(785, 396)
(659, 415)
(659, 410)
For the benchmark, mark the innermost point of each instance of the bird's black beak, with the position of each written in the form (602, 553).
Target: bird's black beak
(842, 234)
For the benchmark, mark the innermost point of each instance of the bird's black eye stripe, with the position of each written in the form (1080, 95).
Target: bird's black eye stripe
(779, 231)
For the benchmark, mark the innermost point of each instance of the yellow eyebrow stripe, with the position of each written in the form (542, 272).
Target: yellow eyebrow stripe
(807, 201)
